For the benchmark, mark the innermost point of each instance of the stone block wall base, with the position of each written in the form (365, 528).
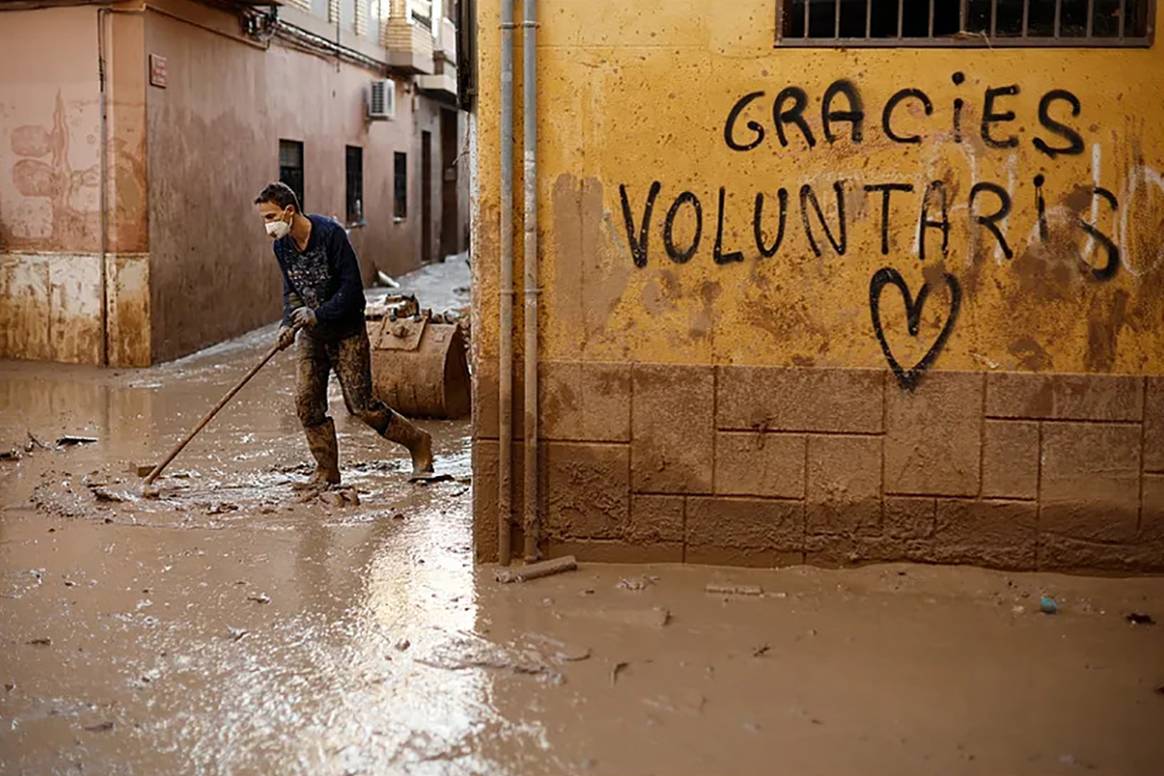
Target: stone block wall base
(757, 466)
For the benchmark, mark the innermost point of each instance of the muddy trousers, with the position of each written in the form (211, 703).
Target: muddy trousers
(352, 361)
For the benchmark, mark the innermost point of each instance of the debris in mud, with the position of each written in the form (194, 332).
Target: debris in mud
(655, 617)
(100, 727)
(151, 492)
(718, 589)
(636, 583)
(141, 469)
(560, 650)
(45, 642)
(403, 644)
(261, 598)
(681, 702)
(9, 686)
(1047, 605)
(16, 453)
(398, 516)
(760, 651)
(69, 440)
(618, 668)
(340, 498)
(1160, 690)
(236, 634)
(102, 493)
(430, 479)
(473, 652)
(1138, 618)
(536, 570)
(221, 508)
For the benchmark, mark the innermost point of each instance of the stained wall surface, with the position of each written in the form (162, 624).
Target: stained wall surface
(922, 322)
(187, 263)
(50, 190)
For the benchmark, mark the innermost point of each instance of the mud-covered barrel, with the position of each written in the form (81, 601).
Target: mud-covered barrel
(420, 367)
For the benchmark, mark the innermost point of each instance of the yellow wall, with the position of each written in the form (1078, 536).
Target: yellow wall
(632, 93)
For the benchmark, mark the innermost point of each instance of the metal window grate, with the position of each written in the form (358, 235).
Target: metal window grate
(985, 23)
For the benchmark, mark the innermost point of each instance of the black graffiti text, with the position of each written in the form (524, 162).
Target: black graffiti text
(791, 119)
(826, 224)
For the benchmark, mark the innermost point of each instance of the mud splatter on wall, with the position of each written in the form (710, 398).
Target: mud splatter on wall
(951, 220)
(790, 178)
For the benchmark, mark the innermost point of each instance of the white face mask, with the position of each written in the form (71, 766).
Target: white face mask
(278, 229)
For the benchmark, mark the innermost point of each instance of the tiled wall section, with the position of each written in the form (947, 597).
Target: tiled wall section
(765, 466)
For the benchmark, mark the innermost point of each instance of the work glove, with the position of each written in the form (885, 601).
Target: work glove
(303, 317)
(286, 337)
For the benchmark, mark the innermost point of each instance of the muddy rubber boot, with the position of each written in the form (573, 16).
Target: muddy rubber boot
(325, 450)
(417, 440)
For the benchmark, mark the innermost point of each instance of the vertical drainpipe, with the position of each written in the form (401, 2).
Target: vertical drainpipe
(103, 176)
(530, 179)
(505, 294)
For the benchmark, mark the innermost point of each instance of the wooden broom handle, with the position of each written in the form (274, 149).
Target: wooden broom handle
(210, 415)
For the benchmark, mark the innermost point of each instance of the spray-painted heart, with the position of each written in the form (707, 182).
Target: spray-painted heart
(909, 378)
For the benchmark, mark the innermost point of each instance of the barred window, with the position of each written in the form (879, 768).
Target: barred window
(987, 23)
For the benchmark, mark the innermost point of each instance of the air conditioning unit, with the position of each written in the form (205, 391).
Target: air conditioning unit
(382, 99)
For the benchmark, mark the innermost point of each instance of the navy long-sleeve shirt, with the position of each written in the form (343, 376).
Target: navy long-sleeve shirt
(325, 277)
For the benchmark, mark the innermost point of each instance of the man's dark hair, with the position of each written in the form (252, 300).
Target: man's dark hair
(280, 194)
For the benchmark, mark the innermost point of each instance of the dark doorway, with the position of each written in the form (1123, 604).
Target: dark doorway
(426, 197)
(448, 183)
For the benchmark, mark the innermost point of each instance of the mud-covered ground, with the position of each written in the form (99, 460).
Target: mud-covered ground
(228, 627)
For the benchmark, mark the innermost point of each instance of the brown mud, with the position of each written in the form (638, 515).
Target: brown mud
(227, 627)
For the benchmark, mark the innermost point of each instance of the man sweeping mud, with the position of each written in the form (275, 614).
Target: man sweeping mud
(323, 300)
